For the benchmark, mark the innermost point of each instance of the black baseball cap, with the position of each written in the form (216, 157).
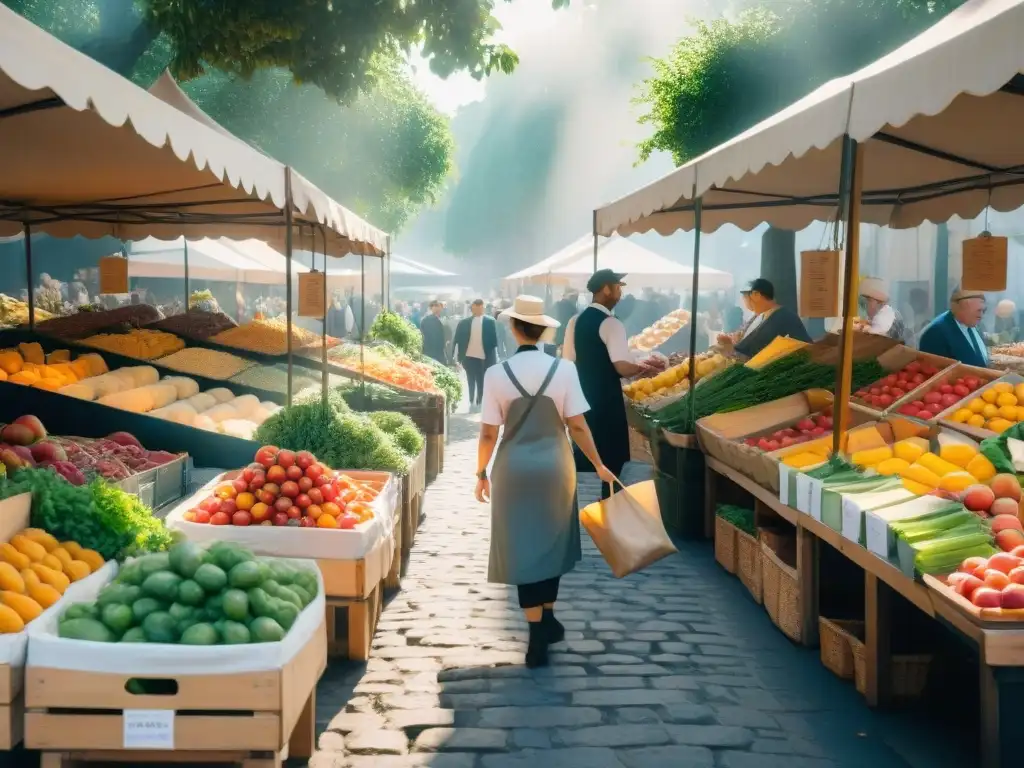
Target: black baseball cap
(762, 286)
(604, 277)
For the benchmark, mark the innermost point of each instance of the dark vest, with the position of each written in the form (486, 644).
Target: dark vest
(602, 387)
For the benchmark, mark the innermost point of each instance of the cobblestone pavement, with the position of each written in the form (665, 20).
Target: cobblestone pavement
(672, 667)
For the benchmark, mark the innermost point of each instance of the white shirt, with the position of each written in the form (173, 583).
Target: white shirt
(530, 369)
(475, 347)
(612, 333)
(882, 322)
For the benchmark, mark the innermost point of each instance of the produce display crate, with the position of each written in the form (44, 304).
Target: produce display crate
(434, 457)
(725, 544)
(836, 651)
(161, 485)
(748, 564)
(256, 719)
(781, 590)
(897, 358)
(413, 485)
(978, 433)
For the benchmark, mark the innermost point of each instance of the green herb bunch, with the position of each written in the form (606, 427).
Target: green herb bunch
(393, 328)
(738, 516)
(401, 429)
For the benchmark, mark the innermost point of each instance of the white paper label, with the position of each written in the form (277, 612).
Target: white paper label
(815, 504)
(803, 493)
(877, 533)
(149, 729)
(784, 472)
(852, 516)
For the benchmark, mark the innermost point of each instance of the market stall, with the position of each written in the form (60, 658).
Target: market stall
(885, 145)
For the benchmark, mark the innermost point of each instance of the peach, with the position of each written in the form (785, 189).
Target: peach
(997, 580)
(1006, 508)
(986, 597)
(955, 578)
(979, 498)
(967, 586)
(1006, 486)
(1017, 575)
(1018, 551)
(1003, 561)
(1013, 596)
(971, 564)
(1008, 540)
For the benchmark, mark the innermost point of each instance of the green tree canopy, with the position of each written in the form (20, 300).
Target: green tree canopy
(729, 75)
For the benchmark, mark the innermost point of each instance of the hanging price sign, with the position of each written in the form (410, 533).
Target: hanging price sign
(312, 286)
(819, 284)
(113, 274)
(984, 263)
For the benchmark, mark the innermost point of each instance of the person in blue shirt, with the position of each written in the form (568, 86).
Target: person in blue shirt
(954, 333)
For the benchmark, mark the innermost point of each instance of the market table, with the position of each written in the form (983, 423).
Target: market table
(1000, 649)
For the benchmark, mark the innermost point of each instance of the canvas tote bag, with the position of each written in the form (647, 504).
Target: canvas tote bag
(627, 528)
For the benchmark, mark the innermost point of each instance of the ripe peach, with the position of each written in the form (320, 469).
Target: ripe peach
(997, 580)
(1006, 508)
(970, 565)
(1005, 522)
(1013, 596)
(1006, 486)
(986, 597)
(1018, 551)
(979, 498)
(967, 586)
(1017, 575)
(1003, 561)
(1009, 539)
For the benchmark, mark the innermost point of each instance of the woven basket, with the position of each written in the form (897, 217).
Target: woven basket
(781, 589)
(639, 447)
(725, 544)
(836, 649)
(909, 672)
(748, 563)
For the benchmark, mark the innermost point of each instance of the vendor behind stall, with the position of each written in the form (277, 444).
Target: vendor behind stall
(882, 319)
(1006, 329)
(954, 333)
(770, 320)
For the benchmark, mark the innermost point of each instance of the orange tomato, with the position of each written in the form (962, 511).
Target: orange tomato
(330, 508)
(361, 509)
(326, 521)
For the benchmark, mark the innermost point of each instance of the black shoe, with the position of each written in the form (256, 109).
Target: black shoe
(553, 627)
(537, 652)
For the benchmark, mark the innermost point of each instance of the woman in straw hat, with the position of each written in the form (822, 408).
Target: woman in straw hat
(535, 529)
(882, 319)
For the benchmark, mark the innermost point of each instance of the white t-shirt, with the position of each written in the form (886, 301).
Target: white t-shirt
(612, 333)
(530, 369)
(475, 347)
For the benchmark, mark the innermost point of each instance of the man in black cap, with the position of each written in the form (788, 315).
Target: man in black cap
(770, 321)
(596, 342)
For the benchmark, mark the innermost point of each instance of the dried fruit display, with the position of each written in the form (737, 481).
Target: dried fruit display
(211, 363)
(14, 312)
(269, 337)
(195, 324)
(143, 344)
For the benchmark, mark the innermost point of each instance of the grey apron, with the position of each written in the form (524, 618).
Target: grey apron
(535, 525)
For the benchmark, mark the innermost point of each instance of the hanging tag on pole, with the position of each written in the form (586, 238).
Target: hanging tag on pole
(113, 274)
(819, 284)
(312, 285)
(984, 263)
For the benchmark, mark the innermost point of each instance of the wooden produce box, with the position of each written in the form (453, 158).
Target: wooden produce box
(252, 718)
(944, 418)
(434, 457)
(413, 486)
(897, 358)
(14, 516)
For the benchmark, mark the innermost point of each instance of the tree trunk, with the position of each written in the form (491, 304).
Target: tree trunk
(778, 264)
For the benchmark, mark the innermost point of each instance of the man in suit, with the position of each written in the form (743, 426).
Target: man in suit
(433, 334)
(954, 333)
(476, 348)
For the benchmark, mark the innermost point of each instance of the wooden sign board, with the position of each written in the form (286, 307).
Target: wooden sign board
(819, 284)
(984, 263)
(312, 290)
(113, 274)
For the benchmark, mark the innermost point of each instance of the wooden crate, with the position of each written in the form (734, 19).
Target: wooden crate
(413, 485)
(352, 623)
(393, 577)
(434, 457)
(255, 719)
(14, 516)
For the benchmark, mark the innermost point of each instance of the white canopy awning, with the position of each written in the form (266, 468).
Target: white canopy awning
(83, 151)
(643, 268)
(938, 119)
(400, 265)
(208, 260)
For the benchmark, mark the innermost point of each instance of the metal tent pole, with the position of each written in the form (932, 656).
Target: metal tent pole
(29, 278)
(362, 325)
(325, 379)
(288, 271)
(187, 291)
(694, 284)
(853, 178)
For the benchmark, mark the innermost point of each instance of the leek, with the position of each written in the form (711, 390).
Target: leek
(952, 543)
(933, 528)
(934, 521)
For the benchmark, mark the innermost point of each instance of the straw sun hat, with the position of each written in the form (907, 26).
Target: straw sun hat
(530, 310)
(874, 288)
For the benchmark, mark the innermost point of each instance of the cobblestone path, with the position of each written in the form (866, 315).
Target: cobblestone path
(674, 667)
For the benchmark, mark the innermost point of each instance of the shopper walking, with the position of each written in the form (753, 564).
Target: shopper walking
(432, 328)
(596, 341)
(476, 349)
(535, 528)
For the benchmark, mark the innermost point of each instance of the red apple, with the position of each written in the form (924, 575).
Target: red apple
(1013, 596)
(304, 459)
(313, 471)
(289, 489)
(302, 501)
(293, 472)
(280, 518)
(294, 513)
(266, 497)
(322, 481)
(285, 459)
(266, 456)
(241, 517)
(276, 475)
(283, 504)
(273, 488)
(257, 482)
(305, 484)
(330, 493)
(202, 516)
(228, 506)
(307, 522)
(315, 495)
(220, 518)
(248, 474)
(211, 504)
(986, 597)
